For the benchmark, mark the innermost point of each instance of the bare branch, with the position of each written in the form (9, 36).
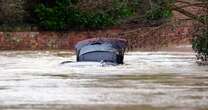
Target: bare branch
(185, 2)
(188, 14)
(204, 5)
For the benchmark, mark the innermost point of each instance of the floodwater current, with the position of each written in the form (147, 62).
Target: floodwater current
(35, 80)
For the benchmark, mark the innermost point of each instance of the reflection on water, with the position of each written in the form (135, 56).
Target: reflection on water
(147, 80)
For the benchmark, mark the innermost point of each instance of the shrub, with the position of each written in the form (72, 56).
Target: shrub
(158, 13)
(200, 45)
(159, 10)
(121, 9)
(64, 14)
(53, 17)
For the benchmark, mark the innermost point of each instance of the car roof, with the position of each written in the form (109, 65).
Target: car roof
(116, 43)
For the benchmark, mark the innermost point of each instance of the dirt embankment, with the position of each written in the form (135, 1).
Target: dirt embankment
(139, 38)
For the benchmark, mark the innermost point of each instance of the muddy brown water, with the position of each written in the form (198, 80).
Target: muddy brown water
(35, 80)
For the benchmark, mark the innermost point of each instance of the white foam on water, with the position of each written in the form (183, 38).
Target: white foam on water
(39, 78)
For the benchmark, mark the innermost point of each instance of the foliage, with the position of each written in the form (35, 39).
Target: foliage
(157, 13)
(135, 3)
(120, 9)
(64, 14)
(200, 45)
(159, 9)
(204, 18)
(200, 41)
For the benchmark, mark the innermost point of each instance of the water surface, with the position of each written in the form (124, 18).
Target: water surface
(147, 81)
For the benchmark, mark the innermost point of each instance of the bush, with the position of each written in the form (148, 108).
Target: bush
(159, 10)
(120, 9)
(63, 14)
(53, 16)
(200, 45)
(158, 13)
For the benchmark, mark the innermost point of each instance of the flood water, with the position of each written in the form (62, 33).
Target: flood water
(35, 80)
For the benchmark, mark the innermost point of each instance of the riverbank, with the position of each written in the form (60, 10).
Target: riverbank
(142, 38)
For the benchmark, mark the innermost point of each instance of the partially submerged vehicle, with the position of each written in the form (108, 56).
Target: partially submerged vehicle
(107, 50)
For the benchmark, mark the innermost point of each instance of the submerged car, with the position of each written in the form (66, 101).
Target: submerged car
(107, 50)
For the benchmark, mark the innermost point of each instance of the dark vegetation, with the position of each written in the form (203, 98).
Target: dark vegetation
(75, 14)
(200, 40)
(159, 9)
(67, 14)
(200, 45)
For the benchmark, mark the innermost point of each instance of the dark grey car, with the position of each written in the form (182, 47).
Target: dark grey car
(101, 50)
